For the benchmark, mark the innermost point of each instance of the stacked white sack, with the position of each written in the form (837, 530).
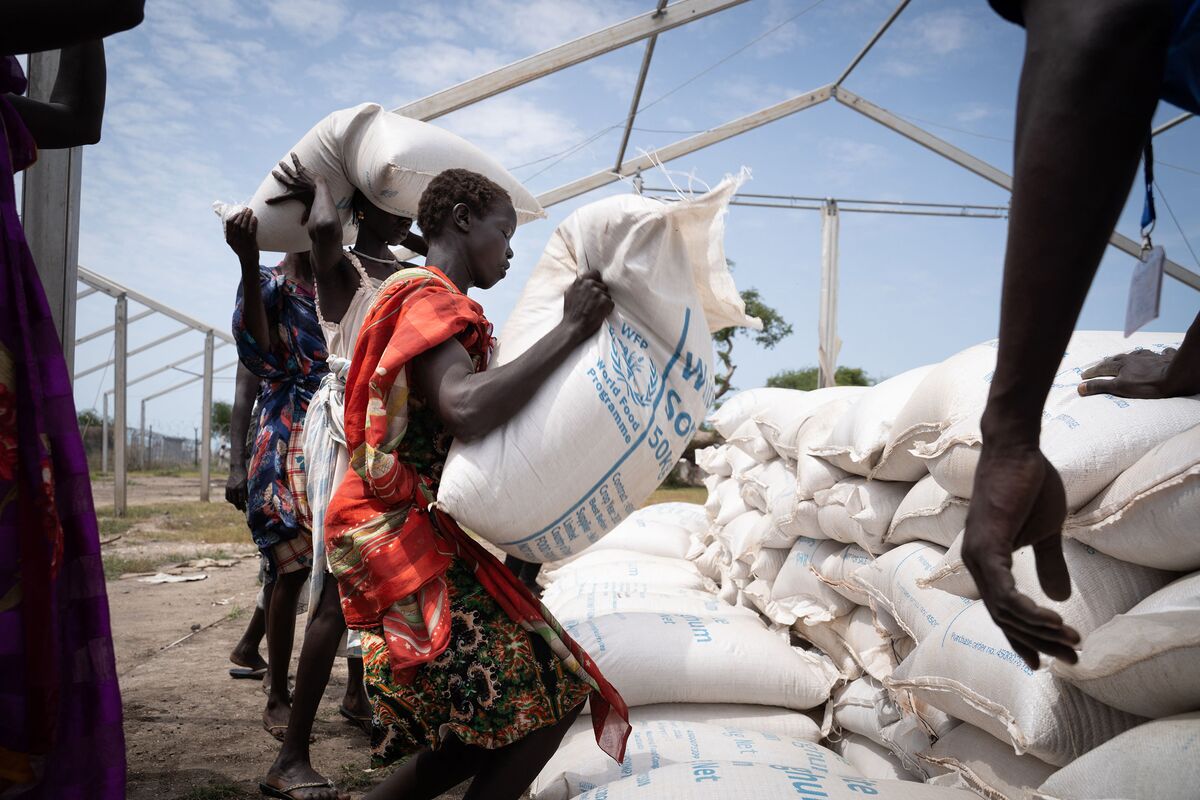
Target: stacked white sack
(678, 654)
(629, 399)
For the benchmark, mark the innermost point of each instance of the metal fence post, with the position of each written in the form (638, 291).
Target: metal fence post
(120, 346)
(828, 343)
(104, 438)
(206, 419)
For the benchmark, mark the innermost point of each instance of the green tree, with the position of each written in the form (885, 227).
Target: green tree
(775, 328)
(806, 379)
(89, 419)
(222, 416)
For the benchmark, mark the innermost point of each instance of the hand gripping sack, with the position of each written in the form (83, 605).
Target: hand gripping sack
(612, 421)
(391, 158)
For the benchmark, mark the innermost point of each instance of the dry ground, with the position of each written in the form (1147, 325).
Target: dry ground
(191, 732)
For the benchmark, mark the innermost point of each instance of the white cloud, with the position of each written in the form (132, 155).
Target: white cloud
(744, 94)
(921, 44)
(851, 152)
(430, 66)
(615, 78)
(316, 21)
(515, 130)
(786, 38)
(943, 32)
(974, 112)
(535, 25)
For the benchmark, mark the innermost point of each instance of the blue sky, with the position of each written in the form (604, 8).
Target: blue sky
(205, 97)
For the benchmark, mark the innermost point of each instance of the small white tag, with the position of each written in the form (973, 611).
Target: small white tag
(1145, 290)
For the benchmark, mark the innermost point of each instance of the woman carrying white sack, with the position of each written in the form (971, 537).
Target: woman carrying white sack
(345, 288)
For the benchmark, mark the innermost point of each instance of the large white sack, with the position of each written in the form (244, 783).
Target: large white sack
(775, 483)
(1090, 440)
(783, 722)
(389, 157)
(591, 603)
(860, 511)
(873, 760)
(1160, 759)
(836, 568)
(713, 460)
(1148, 514)
(1101, 586)
(744, 405)
(813, 473)
(968, 758)
(892, 582)
(579, 765)
(830, 638)
(711, 561)
(970, 673)
(642, 534)
(680, 658)
(864, 707)
(768, 563)
(612, 421)
(633, 576)
(780, 422)
(928, 513)
(752, 488)
(729, 502)
(632, 560)
(798, 594)
(857, 442)
(750, 441)
(871, 647)
(686, 515)
(1147, 660)
(741, 462)
(819, 773)
(744, 536)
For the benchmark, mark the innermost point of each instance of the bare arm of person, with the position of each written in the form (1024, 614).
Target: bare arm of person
(1088, 90)
(335, 286)
(244, 394)
(471, 404)
(241, 231)
(1147, 375)
(74, 114)
(31, 26)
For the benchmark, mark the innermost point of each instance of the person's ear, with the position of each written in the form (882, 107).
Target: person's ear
(461, 215)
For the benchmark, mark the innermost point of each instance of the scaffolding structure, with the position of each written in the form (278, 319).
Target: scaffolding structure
(62, 188)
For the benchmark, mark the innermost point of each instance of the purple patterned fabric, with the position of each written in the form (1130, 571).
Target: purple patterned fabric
(60, 707)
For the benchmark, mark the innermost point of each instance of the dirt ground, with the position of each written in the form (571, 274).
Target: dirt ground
(192, 732)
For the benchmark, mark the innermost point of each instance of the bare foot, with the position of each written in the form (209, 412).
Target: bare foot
(276, 716)
(245, 656)
(282, 775)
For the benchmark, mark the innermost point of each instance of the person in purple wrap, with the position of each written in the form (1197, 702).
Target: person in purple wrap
(60, 707)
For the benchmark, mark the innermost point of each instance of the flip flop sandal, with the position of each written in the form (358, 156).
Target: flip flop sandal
(362, 723)
(242, 673)
(279, 730)
(286, 792)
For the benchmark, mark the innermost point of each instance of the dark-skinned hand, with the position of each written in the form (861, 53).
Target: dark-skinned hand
(241, 232)
(586, 304)
(235, 488)
(300, 184)
(1142, 374)
(1019, 500)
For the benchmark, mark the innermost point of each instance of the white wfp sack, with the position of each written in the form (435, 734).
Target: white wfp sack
(713, 461)
(970, 673)
(782, 722)
(744, 536)
(711, 561)
(744, 405)
(780, 424)
(1147, 660)
(897, 598)
(752, 489)
(860, 511)
(1101, 586)
(872, 760)
(391, 158)
(812, 473)
(928, 513)
(686, 515)
(600, 435)
(836, 569)
(630, 577)
(579, 765)
(750, 441)
(679, 658)
(820, 773)
(857, 442)
(591, 603)
(1148, 514)
(968, 758)
(799, 594)
(643, 534)
(730, 505)
(1160, 759)
(1090, 440)
(829, 638)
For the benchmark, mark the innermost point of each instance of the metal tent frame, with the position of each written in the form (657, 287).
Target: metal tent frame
(665, 17)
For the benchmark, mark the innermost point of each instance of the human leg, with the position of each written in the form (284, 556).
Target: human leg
(281, 630)
(293, 764)
(428, 773)
(509, 771)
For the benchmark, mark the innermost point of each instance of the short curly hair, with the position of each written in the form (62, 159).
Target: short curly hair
(448, 189)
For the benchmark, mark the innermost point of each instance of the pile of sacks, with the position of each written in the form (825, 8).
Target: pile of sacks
(723, 704)
(839, 513)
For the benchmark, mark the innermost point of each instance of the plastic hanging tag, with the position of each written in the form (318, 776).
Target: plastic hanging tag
(1145, 289)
